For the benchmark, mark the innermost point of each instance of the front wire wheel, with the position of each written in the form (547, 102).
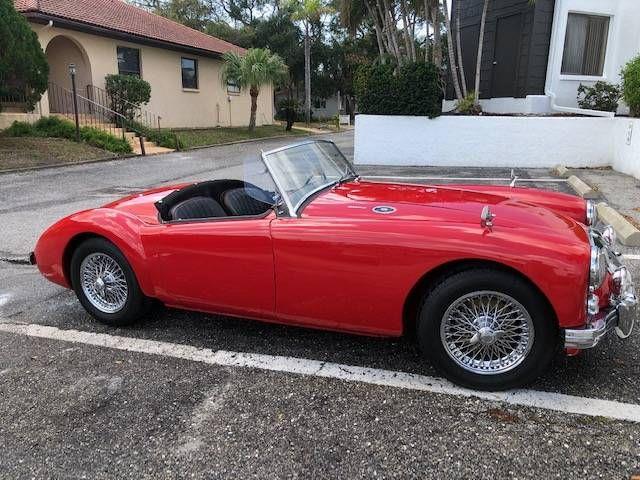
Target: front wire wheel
(487, 332)
(487, 329)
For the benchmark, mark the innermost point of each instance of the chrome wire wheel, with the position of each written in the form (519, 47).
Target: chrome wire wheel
(487, 333)
(103, 282)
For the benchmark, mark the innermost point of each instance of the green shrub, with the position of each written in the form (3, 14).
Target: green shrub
(468, 105)
(631, 85)
(54, 127)
(602, 96)
(411, 89)
(162, 138)
(19, 129)
(104, 140)
(127, 93)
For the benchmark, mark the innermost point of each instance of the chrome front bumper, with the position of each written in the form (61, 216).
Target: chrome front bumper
(599, 327)
(619, 315)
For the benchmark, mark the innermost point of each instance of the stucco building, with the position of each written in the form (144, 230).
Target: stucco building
(182, 65)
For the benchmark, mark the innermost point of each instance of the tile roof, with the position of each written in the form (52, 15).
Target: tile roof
(121, 17)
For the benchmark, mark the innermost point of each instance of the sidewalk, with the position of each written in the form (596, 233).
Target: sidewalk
(620, 191)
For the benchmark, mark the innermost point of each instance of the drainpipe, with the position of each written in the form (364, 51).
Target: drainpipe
(575, 110)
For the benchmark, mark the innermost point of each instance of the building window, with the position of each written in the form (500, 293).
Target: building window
(233, 87)
(128, 61)
(585, 45)
(189, 73)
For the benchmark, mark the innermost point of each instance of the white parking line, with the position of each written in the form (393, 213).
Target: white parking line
(300, 366)
(470, 179)
(631, 257)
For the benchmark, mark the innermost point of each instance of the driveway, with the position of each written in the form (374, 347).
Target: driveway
(188, 395)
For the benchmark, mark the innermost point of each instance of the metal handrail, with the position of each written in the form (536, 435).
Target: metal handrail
(90, 113)
(145, 118)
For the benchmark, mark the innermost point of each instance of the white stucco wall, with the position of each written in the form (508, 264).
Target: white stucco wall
(626, 146)
(485, 141)
(623, 44)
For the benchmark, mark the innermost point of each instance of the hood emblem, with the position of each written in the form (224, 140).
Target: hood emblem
(486, 217)
(383, 209)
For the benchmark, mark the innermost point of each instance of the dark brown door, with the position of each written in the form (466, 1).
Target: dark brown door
(505, 59)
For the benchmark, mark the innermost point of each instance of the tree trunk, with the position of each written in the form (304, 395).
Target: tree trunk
(405, 30)
(307, 75)
(480, 42)
(253, 91)
(463, 78)
(391, 29)
(437, 36)
(453, 66)
(376, 26)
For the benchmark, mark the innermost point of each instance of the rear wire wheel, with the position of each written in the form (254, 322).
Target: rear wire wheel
(105, 283)
(487, 329)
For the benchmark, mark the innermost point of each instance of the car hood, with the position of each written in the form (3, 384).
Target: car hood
(436, 203)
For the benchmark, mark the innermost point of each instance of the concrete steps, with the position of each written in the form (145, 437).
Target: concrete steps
(150, 148)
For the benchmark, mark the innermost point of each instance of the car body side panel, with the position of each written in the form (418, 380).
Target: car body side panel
(358, 274)
(222, 265)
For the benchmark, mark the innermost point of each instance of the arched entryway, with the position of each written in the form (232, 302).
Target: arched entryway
(62, 51)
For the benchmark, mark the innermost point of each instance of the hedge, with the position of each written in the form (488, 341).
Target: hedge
(54, 127)
(411, 89)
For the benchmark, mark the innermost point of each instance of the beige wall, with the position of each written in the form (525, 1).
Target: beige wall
(209, 106)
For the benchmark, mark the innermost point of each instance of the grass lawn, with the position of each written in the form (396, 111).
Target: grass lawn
(214, 136)
(22, 152)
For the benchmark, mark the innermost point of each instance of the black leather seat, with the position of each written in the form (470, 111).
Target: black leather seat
(247, 201)
(197, 207)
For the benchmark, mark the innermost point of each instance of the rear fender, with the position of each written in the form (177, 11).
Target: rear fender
(55, 247)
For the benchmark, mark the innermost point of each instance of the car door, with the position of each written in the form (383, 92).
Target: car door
(222, 265)
(331, 274)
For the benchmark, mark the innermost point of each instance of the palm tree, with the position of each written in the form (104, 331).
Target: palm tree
(308, 11)
(257, 67)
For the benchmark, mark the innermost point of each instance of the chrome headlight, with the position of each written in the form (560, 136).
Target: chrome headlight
(592, 213)
(597, 268)
(609, 236)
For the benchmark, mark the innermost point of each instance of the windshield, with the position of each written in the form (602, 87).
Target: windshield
(301, 170)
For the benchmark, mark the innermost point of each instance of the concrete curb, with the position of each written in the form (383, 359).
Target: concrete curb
(626, 232)
(561, 171)
(582, 189)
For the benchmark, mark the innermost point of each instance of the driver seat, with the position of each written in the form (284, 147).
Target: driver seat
(197, 207)
(246, 201)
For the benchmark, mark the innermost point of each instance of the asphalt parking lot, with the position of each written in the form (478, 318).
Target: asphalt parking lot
(74, 409)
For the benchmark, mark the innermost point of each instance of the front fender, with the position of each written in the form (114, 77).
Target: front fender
(53, 249)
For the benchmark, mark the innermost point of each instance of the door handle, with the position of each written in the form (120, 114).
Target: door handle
(495, 63)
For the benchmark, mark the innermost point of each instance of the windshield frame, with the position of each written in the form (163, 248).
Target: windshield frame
(293, 209)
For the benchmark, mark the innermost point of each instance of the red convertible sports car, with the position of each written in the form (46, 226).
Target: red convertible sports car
(491, 280)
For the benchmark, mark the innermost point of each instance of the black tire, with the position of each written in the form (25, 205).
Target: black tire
(136, 304)
(448, 290)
